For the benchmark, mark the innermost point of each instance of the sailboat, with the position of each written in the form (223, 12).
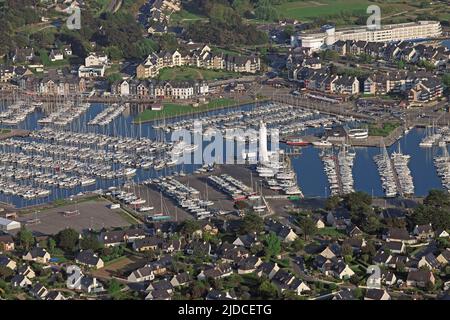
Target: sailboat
(253, 195)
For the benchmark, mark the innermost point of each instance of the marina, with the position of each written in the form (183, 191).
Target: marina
(77, 157)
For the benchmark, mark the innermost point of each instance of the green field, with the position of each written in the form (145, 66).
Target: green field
(188, 73)
(5, 131)
(391, 10)
(185, 15)
(384, 130)
(43, 54)
(173, 109)
(308, 10)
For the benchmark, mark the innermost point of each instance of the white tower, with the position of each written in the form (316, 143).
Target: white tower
(263, 154)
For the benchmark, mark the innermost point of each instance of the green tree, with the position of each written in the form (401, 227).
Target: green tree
(297, 245)
(5, 273)
(114, 289)
(188, 227)
(346, 250)
(267, 290)
(272, 245)
(25, 237)
(67, 239)
(252, 223)
(90, 242)
(332, 203)
(308, 227)
(51, 245)
(446, 80)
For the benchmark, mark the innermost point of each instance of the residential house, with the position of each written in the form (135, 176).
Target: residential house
(267, 269)
(318, 222)
(398, 234)
(284, 280)
(146, 244)
(218, 272)
(6, 262)
(39, 255)
(165, 285)
(20, 281)
(441, 233)
(26, 271)
(339, 218)
(249, 265)
(55, 296)
(285, 233)
(89, 258)
(347, 85)
(377, 294)
(6, 242)
(39, 291)
(429, 261)
(394, 247)
(344, 294)
(91, 285)
(388, 278)
(22, 55)
(247, 240)
(220, 295)
(354, 231)
(444, 257)
(96, 59)
(6, 73)
(341, 270)
(116, 238)
(180, 279)
(198, 248)
(56, 55)
(145, 273)
(420, 278)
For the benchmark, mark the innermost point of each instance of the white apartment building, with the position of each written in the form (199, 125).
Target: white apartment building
(387, 33)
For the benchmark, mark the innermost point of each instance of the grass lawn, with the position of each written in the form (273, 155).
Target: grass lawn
(384, 130)
(5, 131)
(173, 109)
(331, 232)
(189, 73)
(46, 60)
(185, 15)
(308, 10)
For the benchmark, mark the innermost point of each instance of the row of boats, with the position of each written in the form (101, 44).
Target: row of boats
(185, 196)
(17, 112)
(236, 189)
(108, 115)
(288, 119)
(442, 164)
(28, 192)
(279, 176)
(66, 114)
(339, 170)
(395, 175)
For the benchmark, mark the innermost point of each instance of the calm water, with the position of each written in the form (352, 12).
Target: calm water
(311, 176)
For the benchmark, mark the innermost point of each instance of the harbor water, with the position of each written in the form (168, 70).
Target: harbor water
(308, 166)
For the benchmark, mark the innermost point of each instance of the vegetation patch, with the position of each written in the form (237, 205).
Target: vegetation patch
(382, 130)
(173, 109)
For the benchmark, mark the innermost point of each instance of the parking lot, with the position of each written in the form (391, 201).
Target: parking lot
(93, 214)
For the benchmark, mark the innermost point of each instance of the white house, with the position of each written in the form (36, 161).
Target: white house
(95, 59)
(56, 55)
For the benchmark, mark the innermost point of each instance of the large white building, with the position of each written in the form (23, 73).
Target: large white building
(387, 33)
(8, 225)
